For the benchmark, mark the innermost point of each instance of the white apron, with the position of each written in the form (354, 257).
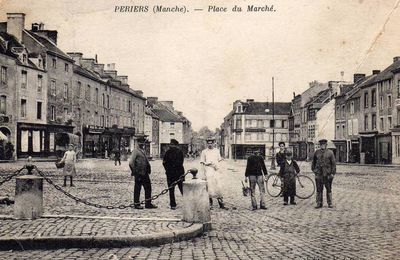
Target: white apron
(212, 176)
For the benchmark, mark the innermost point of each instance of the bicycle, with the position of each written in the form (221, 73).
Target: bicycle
(305, 186)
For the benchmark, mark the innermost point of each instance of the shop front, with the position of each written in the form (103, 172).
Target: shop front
(368, 149)
(39, 140)
(243, 151)
(341, 150)
(354, 153)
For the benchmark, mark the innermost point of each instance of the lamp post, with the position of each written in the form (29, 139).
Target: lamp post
(273, 128)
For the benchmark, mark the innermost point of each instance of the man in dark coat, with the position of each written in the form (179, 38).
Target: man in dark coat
(254, 173)
(140, 169)
(324, 167)
(173, 165)
(280, 155)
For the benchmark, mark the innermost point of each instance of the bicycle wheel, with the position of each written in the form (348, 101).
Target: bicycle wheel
(305, 187)
(274, 185)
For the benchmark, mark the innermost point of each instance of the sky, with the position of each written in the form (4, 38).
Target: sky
(205, 61)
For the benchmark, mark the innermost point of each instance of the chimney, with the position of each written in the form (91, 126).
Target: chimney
(15, 24)
(35, 27)
(357, 77)
(294, 94)
(111, 66)
(123, 79)
(99, 68)
(376, 72)
(395, 59)
(179, 113)
(139, 92)
(76, 56)
(151, 101)
(249, 100)
(168, 103)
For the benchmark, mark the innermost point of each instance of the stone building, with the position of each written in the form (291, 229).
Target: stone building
(250, 127)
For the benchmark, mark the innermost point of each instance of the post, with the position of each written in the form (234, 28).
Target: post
(196, 205)
(273, 128)
(28, 197)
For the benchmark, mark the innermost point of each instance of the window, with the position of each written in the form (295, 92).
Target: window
(248, 123)
(66, 67)
(238, 124)
(87, 93)
(53, 87)
(338, 132)
(337, 111)
(40, 63)
(172, 125)
(343, 111)
(53, 113)
(39, 110)
(373, 121)
(260, 136)
(3, 105)
(352, 107)
(79, 89)
(54, 63)
(108, 101)
(381, 102)
(247, 137)
(79, 113)
(389, 101)
(96, 98)
(365, 99)
(39, 83)
(3, 75)
(103, 100)
(271, 123)
(390, 122)
(382, 124)
(24, 58)
(23, 108)
(373, 96)
(65, 91)
(366, 122)
(284, 124)
(24, 78)
(65, 112)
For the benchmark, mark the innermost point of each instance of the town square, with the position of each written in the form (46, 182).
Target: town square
(192, 130)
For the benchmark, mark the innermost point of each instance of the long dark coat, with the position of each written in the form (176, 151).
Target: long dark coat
(173, 162)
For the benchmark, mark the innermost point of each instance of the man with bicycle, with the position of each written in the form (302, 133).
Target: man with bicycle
(324, 167)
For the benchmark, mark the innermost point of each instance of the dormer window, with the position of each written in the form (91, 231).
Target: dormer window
(40, 63)
(24, 57)
(239, 109)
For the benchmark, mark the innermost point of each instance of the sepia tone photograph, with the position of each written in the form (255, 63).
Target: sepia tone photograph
(190, 129)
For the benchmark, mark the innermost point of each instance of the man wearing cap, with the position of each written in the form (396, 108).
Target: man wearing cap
(210, 158)
(255, 173)
(173, 165)
(324, 167)
(280, 155)
(140, 169)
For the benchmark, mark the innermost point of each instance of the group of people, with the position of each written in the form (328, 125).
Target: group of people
(323, 165)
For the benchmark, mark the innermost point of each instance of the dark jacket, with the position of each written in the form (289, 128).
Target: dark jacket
(139, 163)
(280, 158)
(173, 162)
(255, 166)
(323, 163)
(282, 171)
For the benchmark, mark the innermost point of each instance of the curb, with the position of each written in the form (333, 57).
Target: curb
(147, 240)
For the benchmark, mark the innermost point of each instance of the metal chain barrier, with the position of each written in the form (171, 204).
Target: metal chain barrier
(9, 177)
(132, 205)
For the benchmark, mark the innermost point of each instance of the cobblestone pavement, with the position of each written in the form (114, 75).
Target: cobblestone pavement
(85, 227)
(364, 224)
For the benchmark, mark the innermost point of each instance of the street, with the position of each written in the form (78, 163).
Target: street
(364, 223)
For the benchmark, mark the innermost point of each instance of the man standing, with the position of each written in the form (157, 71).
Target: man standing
(117, 156)
(280, 155)
(210, 158)
(140, 169)
(324, 167)
(173, 165)
(255, 173)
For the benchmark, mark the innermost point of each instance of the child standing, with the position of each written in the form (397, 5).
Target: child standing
(288, 172)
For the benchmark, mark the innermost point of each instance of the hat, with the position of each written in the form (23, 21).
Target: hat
(279, 144)
(210, 139)
(288, 153)
(323, 141)
(174, 142)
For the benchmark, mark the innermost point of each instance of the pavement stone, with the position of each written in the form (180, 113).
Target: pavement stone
(364, 223)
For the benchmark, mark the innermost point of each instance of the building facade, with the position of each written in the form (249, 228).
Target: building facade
(254, 126)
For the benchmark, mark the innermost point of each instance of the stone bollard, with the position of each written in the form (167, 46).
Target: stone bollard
(28, 197)
(196, 204)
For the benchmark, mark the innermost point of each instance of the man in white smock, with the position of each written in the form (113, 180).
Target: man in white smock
(210, 158)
